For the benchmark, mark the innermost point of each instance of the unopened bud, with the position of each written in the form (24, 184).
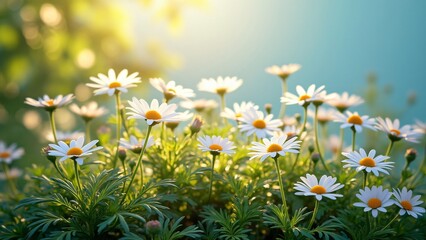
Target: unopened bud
(172, 125)
(153, 227)
(410, 155)
(268, 108)
(45, 152)
(196, 125)
(298, 117)
(315, 157)
(132, 165)
(122, 154)
(311, 148)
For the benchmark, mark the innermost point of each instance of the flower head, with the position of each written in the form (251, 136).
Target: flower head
(154, 113)
(274, 147)
(420, 127)
(65, 136)
(311, 187)
(355, 120)
(215, 145)
(303, 97)
(199, 105)
(8, 154)
(284, 71)
(135, 145)
(253, 121)
(324, 115)
(344, 101)
(375, 199)
(113, 84)
(171, 90)
(75, 150)
(221, 85)
(48, 103)
(237, 113)
(408, 203)
(88, 111)
(370, 163)
(395, 132)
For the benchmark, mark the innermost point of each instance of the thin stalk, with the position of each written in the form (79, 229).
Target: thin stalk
(283, 105)
(138, 164)
(280, 181)
(211, 178)
(305, 118)
(388, 151)
(314, 214)
(87, 126)
(123, 120)
(364, 184)
(353, 138)
(77, 175)
(223, 106)
(317, 140)
(52, 125)
(59, 171)
(342, 140)
(12, 185)
(393, 220)
(118, 127)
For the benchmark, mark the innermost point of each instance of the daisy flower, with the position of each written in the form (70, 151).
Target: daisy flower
(153, 113)
(13, 173)
(284, 71)
(88, 111)
(396, 132)
(324, 115)
(221, 85)
(48, 103)
(344, 101)
(304, 97)
(171, 90)
(311, 187)
(253, 121)
(8, 154)
(75, 150)
(113, 84)
(277, 145)
(215, 145)
(185, 116)
(375, 199)
(420, 127)
(65, 136)
(408, 203)
(370, 163)
(135, 145)
(199, 105)
(238, 110)
(355, 120)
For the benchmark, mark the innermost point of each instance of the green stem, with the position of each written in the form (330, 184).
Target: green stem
(342, 140)
(388, 151)
(87, 123)
(353, 138)
(305, 117)
(364, 184)
(317, 140)
(280, 181)
(77, 175)
(138, 164)
(283, 105)
(12, 185)
(118, 127)
(211, 178)
(59, 171)
(314, 214)
(393, 220)
(223, 106)
(52, 125)
(123, 120)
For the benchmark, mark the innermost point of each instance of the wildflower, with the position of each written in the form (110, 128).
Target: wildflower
(274, 147)
(12, 173)
(304, 98)
(171, 90)
(88, 111)
(408, 203)
(375, 199)
(135, 145)
(153, 227)
(311, 187)
(284, 71)
(324, 115)
(420, 127)
(215, 145)
(355, 121)
(75, 150)
(238, 110)
(370, 163)
(344, 101)
(182, 117)
(221, 85)
(410, 155)
(199, 105)
(50, 104)
(153, 114)
(8, 154)
(65, 136)
(113, 84)
(196, 125)
(395, 132)
(253, 121)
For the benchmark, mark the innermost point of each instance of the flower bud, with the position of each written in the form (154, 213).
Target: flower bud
(196, 125)
(122, 154)
(410, 155)
(311, 148)
(45, 152)
(298, 117)
(153, 227)
(315, 157)
(172, 125)
(268, 108)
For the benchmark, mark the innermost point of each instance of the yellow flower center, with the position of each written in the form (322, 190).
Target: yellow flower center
(4, 154)
(74, 151)
(355, 119)
(152, 114)
(304, 97)
(397, 132)
(259, 123)
(407, 205)
(368, 162)
(221, 91)
(114, 85)
(237, 115)
(216, 147)
(274, 148)
(50, 102)
(374, 203)
(318, 189)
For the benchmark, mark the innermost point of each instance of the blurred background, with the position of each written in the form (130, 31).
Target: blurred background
(375, 49)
